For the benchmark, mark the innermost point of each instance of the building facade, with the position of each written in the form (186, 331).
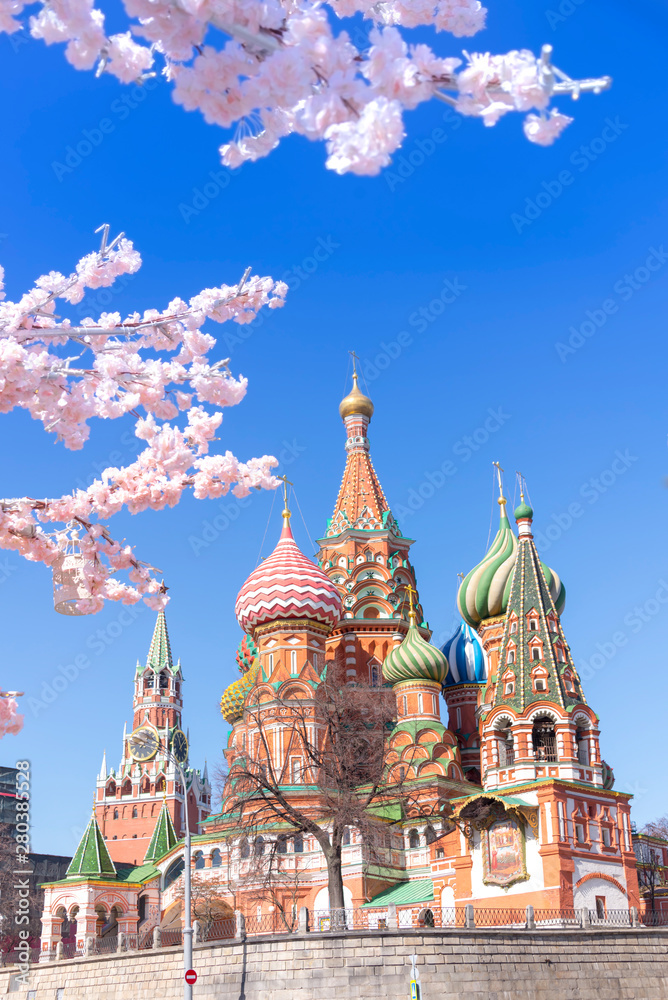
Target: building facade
(510, 802)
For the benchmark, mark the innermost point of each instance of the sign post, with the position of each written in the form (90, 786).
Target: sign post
(416, 990)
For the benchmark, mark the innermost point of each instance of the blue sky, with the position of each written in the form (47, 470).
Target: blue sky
(550, 357)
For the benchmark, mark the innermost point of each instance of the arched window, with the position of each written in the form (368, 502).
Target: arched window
(282, 844)
(404, 701)
(199, 860)
(582, 741)
(148, 680)
(258, 847)
(298, 843)
(413, 839)
(160, 784)
(346, 836)
(115, 813)
(535, 652)
(244, 850)
(430, 835)
(173, 872)
(126, 788)
(544, 739)
(141, 908)
(569, 682)
(374, 676)
(216, 859)
(134, 812)
(510, 658)
(293, 662)
(509, 683)
(164, 681)
(506, 745)
(111, 788)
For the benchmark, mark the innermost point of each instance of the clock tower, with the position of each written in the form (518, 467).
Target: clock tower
(129, 798)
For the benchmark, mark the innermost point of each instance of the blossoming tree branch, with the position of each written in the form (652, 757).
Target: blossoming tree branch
(286, 68)
(151, 366)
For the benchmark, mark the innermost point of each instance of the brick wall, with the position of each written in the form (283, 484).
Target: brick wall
(596, 964)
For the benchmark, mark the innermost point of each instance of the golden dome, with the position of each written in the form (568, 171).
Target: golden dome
(355, 402)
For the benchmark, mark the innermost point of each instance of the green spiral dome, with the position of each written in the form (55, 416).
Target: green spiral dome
(484, 592)
(415, 660)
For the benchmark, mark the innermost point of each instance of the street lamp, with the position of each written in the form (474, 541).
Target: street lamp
(144, 743)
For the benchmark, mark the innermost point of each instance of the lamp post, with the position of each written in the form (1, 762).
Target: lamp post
(142, 743)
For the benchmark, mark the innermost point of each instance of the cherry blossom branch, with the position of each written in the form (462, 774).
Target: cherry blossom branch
(285, 71)
(124, 376)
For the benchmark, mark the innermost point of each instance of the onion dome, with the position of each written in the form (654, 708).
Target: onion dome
(484, 591)
(415, 659)
(466, 657)
(523, 511)
(246, 654)
(234, 697)
(287, 585)
(355, 402)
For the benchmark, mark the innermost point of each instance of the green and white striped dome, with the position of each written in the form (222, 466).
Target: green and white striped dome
(415, 660)
(485, 590)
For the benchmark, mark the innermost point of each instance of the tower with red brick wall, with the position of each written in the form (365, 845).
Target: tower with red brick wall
(129, 798)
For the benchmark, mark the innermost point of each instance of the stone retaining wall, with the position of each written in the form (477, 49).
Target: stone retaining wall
(600, 964)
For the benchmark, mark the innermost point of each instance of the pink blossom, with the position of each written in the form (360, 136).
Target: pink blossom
(10, 720)
(544, 130)
(364, 146)
(159, 370)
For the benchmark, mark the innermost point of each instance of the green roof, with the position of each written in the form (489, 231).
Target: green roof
(164, 836)
(124, 873)
(136, 873)
(92, 857)
(420, 890)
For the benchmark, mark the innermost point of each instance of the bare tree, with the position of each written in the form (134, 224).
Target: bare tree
(334, 774)
(650, 872)
(658, 828)
(210, 900)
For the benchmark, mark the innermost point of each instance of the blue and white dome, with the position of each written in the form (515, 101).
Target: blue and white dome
(466, 657)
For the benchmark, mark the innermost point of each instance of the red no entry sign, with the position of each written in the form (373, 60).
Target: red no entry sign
(191, 977)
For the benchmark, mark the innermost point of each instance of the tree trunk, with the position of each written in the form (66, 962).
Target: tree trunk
(335, 878)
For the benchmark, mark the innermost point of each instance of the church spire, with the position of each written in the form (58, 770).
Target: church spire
(160, 651)
(361, 503)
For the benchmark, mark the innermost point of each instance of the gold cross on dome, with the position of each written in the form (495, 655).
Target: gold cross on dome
(499, 476)
(286, 482)
(410, 591)
(355, 360)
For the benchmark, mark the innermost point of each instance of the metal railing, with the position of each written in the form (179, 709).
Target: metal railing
(171, 936)
(616, 918)
(105, 945)
(653, 918)
(558, 918)
(416, 917)
(511, 917)
(218, 929)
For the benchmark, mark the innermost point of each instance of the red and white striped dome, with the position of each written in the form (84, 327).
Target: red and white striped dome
(287, 585)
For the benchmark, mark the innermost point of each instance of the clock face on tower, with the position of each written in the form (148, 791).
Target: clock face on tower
(143, 743)
(180, 746)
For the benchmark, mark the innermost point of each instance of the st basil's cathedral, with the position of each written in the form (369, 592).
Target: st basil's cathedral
(513, 804)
